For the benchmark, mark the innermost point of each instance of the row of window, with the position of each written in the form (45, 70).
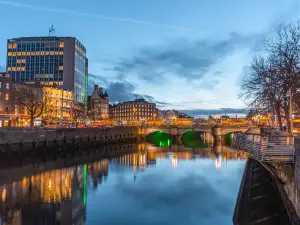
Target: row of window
(134, 114)
(35, 53)
(131, 118)
(20, 61)
(135, 106)
(134, 110)
(33, 45)
(6, 96)
(16, 68)
(12, 45)
(6, 85)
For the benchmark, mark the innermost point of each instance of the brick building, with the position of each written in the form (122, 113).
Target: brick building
(137, 110)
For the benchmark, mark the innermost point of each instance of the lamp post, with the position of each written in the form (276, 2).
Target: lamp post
(291, 109)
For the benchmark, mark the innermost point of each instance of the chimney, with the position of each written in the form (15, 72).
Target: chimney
(96, 87)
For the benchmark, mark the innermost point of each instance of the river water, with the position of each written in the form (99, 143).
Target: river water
(149, 185)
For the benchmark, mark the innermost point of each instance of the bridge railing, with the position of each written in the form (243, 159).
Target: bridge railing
(266, 148)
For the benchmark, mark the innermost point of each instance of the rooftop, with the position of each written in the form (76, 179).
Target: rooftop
(43, 38)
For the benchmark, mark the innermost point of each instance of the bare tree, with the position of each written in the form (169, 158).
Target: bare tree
(78, 112)
(31, 99)
(272, 77)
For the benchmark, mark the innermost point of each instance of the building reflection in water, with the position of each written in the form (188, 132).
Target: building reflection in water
(59, 197)
(53, 197)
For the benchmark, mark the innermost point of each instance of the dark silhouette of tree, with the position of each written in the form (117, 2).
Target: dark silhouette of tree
(273, 76)
(30, 99)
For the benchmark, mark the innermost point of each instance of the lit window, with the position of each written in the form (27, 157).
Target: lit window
(7, 86)
(14, 45)
(61, 68)
(6, 96)
(61, 44)
(10, 45)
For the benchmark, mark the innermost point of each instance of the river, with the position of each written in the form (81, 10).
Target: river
(150, 185)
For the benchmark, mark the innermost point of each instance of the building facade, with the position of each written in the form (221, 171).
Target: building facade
(7, 109)
(136, 110)
(98, 104)
(59, 61)
(59, 104)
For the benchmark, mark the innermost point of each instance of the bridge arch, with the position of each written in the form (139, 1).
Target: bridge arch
(148, 131)
(159, 138)
(206, 135)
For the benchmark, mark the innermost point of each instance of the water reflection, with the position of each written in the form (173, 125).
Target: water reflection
(61, 196)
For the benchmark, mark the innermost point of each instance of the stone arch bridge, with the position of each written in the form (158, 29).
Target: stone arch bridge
(218, 132)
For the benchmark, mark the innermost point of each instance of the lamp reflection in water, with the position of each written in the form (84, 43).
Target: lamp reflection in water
(218, 162)
(174, 160)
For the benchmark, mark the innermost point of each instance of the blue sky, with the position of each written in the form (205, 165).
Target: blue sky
(181, 54)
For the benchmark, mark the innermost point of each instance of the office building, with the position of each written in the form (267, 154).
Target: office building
(55, 61)
(137, 110)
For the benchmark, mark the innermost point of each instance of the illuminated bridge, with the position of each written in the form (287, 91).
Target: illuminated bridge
(216, 132)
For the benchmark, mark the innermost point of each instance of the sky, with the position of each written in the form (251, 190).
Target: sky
(188, 54)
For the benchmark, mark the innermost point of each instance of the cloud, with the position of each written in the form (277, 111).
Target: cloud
(120, 91)
(98, 16)
(191, 60)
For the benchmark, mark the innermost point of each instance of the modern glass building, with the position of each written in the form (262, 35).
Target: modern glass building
(55, 61)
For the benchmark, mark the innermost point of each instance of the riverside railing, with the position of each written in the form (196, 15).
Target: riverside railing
(266, 148)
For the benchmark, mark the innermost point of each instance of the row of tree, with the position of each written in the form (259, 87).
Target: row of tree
(275, 74)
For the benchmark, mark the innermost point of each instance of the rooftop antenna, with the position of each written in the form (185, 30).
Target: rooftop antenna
(51, 31)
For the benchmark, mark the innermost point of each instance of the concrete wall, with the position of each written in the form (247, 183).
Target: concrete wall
(40, 135)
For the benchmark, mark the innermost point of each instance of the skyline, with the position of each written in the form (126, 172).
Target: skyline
(139, 51)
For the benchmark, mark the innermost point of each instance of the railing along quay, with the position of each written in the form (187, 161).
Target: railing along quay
(266, 148)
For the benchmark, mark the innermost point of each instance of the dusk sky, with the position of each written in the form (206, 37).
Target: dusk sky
(183, 54)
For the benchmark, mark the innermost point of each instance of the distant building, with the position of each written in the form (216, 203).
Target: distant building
(171, 114)
(57, 61)
(98, 104)
(136, 110)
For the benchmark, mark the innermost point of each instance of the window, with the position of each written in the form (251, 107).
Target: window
(6, 96)
(7, 86)
(61, 44)
(0, 95)
(0, 84)
(6, 107)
